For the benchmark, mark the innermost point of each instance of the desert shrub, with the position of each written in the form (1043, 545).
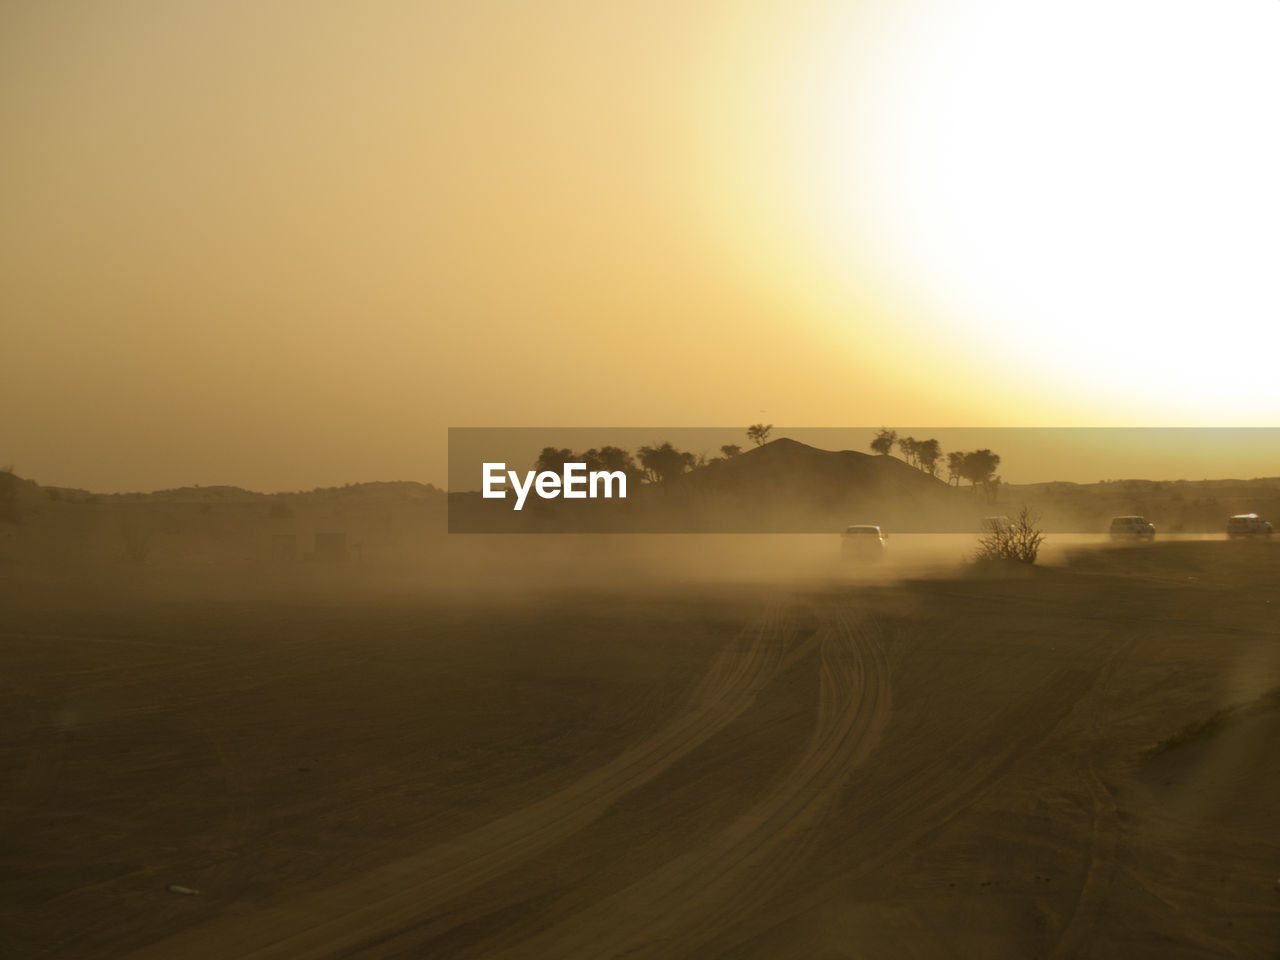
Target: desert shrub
(1017, 541)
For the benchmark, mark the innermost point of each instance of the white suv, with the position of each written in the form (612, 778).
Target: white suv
(1129, 528)
(1248, 525)
(862, 541)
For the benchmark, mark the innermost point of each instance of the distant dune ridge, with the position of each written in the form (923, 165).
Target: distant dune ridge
(781, 486)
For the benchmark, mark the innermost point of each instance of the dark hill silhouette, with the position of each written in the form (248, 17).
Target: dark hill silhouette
(804, 468)
(790, 485)
(781, 486)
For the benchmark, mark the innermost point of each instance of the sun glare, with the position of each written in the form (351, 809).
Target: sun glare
(1088, 188)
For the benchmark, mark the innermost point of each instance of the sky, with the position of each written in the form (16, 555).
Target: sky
(289, 245)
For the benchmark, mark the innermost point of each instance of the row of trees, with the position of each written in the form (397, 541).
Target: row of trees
(976, 466)
(923, 454)
(650, 464)
(660, 463)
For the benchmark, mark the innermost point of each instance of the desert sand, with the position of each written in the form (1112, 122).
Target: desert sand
(813, 761)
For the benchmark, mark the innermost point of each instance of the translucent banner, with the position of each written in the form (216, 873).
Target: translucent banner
(823, 479)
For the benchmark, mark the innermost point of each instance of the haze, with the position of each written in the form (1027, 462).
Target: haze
(272, 261)
(286, 246)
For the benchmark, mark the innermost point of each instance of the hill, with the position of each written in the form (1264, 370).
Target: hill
(787, 485)
(219, 523)
(783, 486)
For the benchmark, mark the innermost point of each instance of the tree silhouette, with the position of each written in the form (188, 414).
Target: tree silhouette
(928, 453)
(884, 441)
(758, 433)
(909, 448)
(664, 463)
(955, 467)
(730, 450)
(554, 459)
(611, 459)
(979, 467)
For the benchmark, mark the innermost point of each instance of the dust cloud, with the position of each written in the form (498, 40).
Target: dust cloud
(222, 740)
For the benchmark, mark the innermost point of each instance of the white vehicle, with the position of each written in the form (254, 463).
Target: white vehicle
(1132, 528)
(1248, 525)
(863, 541)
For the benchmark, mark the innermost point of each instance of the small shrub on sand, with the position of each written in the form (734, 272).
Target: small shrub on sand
(1017, 541)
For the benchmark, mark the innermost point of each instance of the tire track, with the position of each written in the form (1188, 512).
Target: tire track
(689, 900)
(1104, 835)
(405, 893)
(923, 799)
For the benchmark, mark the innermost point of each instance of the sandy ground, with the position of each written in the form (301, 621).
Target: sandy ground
(851, 764)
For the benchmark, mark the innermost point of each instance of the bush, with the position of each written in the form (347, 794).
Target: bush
(1016, 541)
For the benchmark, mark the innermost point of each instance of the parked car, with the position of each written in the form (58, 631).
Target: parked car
(1132, 528)
(863, 541)
(1248, 525)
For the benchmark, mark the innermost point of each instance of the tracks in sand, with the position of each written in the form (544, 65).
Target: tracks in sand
(725, 872)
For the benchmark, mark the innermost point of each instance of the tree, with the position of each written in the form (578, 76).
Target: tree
(979, 467)
(664, 463)
(929, 452)
(1018, 540)
(758, 433)
(611, 459)
(554, 459)
(909, 448)
(730, 450)
(955, 467)
(884, 441)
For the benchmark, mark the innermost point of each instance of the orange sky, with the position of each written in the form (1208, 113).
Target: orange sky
(288, 245)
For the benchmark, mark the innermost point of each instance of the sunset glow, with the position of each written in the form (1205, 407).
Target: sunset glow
(270, 236)
(1088, 191)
